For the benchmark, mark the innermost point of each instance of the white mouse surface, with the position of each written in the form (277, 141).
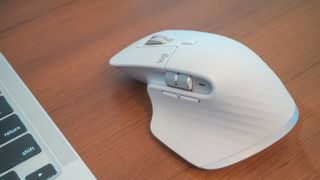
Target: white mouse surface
(215, 102)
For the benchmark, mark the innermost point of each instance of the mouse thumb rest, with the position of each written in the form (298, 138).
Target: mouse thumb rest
(223, 127)
(212, 134)
(219, 127)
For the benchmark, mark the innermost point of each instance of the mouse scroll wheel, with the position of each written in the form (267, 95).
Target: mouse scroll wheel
(158, 40)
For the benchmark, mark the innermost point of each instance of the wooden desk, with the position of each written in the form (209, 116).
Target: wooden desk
(61, 49)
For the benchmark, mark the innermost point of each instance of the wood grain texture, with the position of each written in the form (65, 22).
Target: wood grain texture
(61, 49)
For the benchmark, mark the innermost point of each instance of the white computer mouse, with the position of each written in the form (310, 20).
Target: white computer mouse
(215, 102)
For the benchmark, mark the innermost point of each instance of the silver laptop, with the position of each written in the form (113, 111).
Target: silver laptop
(31, 145)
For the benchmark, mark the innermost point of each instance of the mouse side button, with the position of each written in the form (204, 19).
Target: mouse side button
(170, 94)
(191, 99)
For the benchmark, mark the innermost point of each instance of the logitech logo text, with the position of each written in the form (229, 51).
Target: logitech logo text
(162, 58)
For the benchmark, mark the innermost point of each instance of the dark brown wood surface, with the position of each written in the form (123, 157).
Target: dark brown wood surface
(61, 50)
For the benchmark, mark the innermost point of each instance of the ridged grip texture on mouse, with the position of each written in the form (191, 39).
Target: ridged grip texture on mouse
(217, 133)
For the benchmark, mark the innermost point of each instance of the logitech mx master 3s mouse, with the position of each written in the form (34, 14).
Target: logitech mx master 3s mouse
(215, 102)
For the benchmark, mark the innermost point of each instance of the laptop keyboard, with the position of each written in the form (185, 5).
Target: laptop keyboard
(17, 145)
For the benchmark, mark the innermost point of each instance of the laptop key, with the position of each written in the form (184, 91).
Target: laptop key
(5, 108)
(10, 176)
(17, 151)
(43, 173)
(10, 128)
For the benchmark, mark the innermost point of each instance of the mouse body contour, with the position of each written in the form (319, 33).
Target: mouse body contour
(215, 102)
